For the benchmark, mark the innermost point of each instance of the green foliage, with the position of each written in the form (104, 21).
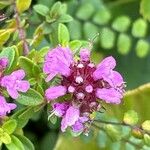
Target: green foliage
(10, 54)
(145, 8)
(139, 28)
(142, 48)
(15, 144)
(121, 24)
(102, 17)
(130, 117)
(124, 44)
(107, 38)
(31, 98)
(63, 35)
(41, 9)
(40, 25)
(10, 126)
(22, 6)
(146, 125)
(85, 11)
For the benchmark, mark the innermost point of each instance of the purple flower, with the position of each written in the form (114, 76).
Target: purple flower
(14, 83)
(70, 118)
(85, 55)
(59, 56)
(3, 63)
(5, 107)
(85, 82)
(60, 109)
(55, 92)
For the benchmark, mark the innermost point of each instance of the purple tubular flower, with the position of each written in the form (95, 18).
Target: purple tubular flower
(58, 61)
(60, 109)
(70, 118)
(85, 82)
(3, 63)
(85, 55)
(14, 83)
(109, 95)
(5, 107)
(79, 125)
(55, 92)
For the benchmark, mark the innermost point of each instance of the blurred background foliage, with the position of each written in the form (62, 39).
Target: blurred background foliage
(123, 27)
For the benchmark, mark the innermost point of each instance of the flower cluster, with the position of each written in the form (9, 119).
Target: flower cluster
(13, 83)
(85, 82)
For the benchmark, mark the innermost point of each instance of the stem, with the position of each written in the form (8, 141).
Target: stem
(122, 124)
(123, 139)
(21, 31)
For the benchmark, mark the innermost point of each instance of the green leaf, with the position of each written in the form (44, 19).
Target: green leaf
(4, 37)
(15, 144)
(85, 11)
(10, 126)
(113, 132)
(23, 5)
(75, 29)
(41, 9)
(55, 10)
(31, 69)
(4, 3)
(102, 17)
(64, 18)
(146, 125)
(30, 98)
(75, 45)
(26, 64)
(26, 142)
(147, 139)
(121, 23)
(4, 137)
(142, 48)
(22, 116)
(89, 34)
(9, 53)
(102, 139)
(63, 35)
(107, 38)
(139, 28)
(130, 117)
(145, 9)
(124, 44)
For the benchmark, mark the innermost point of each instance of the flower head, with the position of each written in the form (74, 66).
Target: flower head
(85, 81)
(5, 107)
(14, 83)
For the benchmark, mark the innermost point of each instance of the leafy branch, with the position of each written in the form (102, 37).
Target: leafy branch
(123, 124)
(21, 31)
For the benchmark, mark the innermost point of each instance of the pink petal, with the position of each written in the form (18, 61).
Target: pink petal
(19, 74)
(71, 116)
(55, 92)
(54, 59)
(109, 95)
(23, 86)
(85, 55)
(5, 107)
(13, 93)
(3, 63)
(104, 68)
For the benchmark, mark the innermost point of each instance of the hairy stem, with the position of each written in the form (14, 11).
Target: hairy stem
(22, 35)
(123, 124)
(123, 139)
